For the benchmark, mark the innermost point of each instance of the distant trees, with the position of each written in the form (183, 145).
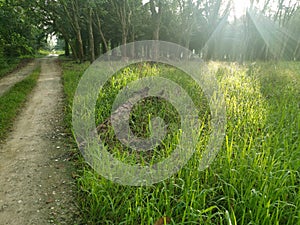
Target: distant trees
(19, 31)
(294, 26)
(278, 32)
(94, 26)
(269, 30)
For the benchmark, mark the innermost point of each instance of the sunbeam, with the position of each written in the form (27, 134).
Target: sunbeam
(216, 32)
(276, 38)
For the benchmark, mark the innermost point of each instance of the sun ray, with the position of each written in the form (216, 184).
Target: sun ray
(274, 36)
(216, 31)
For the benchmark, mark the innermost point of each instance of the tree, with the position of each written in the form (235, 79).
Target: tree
(201, 25)
(18, 29)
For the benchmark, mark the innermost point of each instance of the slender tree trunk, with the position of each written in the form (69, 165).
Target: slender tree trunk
(68, 43)
(72, 15)
(99, 25)
(80, 46)
(67, 48)
(124, 42)
(78, 33)
(132, 52)
(124, 14)
(187, 46)
(113, 45)
(156, 18)
(74, 51)
(103, 48)
(91, 36)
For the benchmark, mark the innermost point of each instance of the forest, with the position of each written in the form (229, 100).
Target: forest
(214, 29)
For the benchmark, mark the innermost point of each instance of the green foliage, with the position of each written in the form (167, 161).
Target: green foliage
(18, 29)
(8, 66)
(13, 100)
(3, 62)
(255, 178)
(207, 27)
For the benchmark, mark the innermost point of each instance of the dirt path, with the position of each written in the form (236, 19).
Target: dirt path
(35, 182)
(8, 81)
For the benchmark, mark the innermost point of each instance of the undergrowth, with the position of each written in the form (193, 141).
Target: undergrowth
(8, 66)
(254, 179)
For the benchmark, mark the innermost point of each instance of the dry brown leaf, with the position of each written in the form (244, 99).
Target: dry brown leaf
(161, 221)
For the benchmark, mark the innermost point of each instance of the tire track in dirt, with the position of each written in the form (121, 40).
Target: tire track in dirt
(36, 187)
(10, 80)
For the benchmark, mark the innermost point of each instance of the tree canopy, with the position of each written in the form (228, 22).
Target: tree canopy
(214, 29)
(20, 33)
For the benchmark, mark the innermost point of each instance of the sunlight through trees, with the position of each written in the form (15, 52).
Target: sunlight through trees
(231, 30)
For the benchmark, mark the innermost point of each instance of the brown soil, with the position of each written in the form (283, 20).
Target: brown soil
(36, 186)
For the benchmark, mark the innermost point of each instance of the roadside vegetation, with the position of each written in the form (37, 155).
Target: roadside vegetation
(255, 178)
(13, 100)
(253, 48)
(12, 65)
(7, 68)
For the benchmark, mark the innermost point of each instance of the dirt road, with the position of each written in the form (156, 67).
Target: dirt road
(8, 81)
(35, 182)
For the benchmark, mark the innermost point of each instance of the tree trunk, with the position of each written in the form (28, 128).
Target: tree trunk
(67, 48)
(78, 34)
(74, 52)
(187, 46)
(72, 15)
(156, 18)
(80, 46)
(124, 14)
(91, 36)
(132, 52)
(124, 42)
(101, 33)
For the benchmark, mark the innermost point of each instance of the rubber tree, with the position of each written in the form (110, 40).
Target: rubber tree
(123, 12)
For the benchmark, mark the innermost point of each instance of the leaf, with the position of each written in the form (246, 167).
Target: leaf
(162, 221)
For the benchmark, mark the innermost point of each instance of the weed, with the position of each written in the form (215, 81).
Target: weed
(13, 100)
(255, 178)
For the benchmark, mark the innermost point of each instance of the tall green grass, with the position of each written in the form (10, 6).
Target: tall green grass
(12, 101)
(72, 73)
(255, 178)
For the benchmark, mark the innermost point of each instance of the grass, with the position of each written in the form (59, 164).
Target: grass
(42, 53)
(8, 67)
(254, 180)
(72, 73)
(13, 100)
